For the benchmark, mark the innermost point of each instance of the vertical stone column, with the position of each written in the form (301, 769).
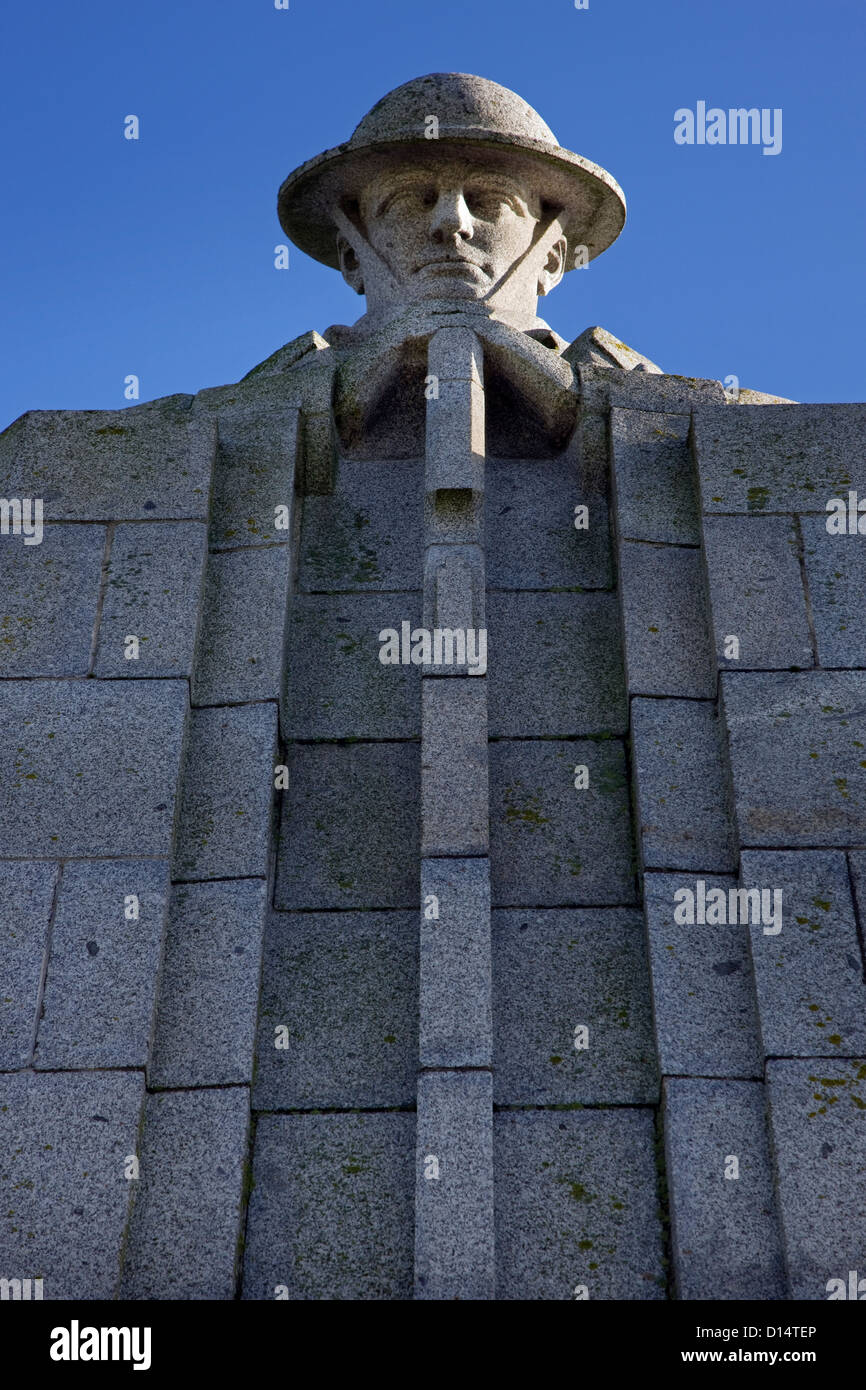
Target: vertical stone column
(454, 1192)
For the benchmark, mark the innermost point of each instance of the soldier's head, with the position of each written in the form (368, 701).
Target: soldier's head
(452, 188)
(451, 229)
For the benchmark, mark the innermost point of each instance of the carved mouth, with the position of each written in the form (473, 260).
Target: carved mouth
(454, 265)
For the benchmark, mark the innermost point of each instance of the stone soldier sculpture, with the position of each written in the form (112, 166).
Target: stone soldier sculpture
(434, 788)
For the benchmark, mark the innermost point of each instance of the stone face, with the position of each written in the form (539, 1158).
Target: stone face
(350, 827)
(50, 593)
(667, 647)
(455, 1003)
(653, 477)
(64, 1141)
(331, 1210)
(809, 976)
(336, 685)
(240, 654)
(204, 1037)
(183, 1236)
(254, 474)
(338, 1024)
(703, 993)
(555, 665)
(818, 1124)
(781, 458)
(145, 463)
(89, 767)
(454, 777)
(152, 591)
(368, 534)
(454, 1186)
(725, 1233)
(576, 1205)
(797, 744)
(228, 783)
(754, 577)
(552, 844)
(555, 973)
(530, 538)
(836, 573)
(100, 990)
(681, 786)
(27, 893)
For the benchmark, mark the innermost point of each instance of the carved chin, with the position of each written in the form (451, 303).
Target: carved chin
(452, 277)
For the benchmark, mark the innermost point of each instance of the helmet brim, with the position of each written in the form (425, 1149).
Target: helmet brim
(591, 202)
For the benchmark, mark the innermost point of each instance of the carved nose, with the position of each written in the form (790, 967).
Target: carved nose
(451, 218)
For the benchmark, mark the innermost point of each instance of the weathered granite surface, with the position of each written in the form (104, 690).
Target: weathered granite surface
(281, 923)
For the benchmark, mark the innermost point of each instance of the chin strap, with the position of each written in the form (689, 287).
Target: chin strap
(539, 248)
(361, 245)
(546, 237)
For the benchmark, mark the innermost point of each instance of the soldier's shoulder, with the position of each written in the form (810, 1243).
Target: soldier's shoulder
(596, 347)
(301, 350)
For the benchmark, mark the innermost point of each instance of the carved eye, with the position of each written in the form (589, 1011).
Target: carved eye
(412, 198)
(486, 202)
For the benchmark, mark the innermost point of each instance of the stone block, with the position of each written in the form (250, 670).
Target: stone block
(454, 1187)
(27, 895)
(530, 537)
(336, 685)
(724, 1228)
(454, 602)
(553, 844)
(64, 1143)
(153, 591)
(89, 767)
(455, 447)
(147, 462)
(254, 474)
(338, 1022)
(572, 1014)
(836, 575)
(100, 990)
(184, 1234)
(808, 976)
(818, 1124)
(650, 391)
(50, 593)
(756, 592)
(350, 827)
(456, 1027)
(797, 745)
(681, 786)
(228, 782)
(454, 777)
(332, 1210)
(653, 477)
(667, 644)
(703, 993)
(240, 654)
(781, 458)
(577, 1206)
(205, 1036)
(369, 533)
(555, 664)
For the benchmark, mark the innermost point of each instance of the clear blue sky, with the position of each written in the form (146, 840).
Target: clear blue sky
(156, 257)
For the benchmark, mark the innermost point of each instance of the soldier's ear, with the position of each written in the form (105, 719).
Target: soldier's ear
(554, 267)
(350, 266)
